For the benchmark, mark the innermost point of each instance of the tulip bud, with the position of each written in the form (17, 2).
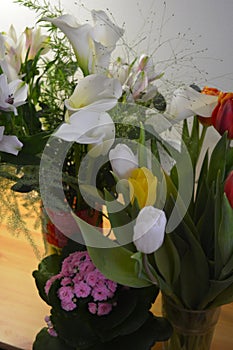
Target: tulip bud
(143, 186)
(123, 160)
(228, 188)
(149, 229)
(222, 116)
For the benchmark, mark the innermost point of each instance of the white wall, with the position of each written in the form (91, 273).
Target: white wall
(210, 23)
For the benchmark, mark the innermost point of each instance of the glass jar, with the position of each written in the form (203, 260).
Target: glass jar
(192, 329)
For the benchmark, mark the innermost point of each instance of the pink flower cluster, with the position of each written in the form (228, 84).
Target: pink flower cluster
(79, 278)
(51, 330)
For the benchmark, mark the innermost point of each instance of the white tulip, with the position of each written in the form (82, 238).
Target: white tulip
(187, 102)
(9, 144)
(149, 229)
(89, 127)
(123, 161)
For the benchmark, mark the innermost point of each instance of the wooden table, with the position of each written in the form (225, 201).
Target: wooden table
(22, 311)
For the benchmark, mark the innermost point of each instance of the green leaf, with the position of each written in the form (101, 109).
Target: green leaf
(194, 270)
(218, 160)
(225, 232)
(117, 265)
(202, 190)
(112, 260)
(45, 341)
(48, 267)
(168, 261)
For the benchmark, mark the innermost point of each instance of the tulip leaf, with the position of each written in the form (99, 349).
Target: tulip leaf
(191, 275)
(225, 233)
(218, 160)
(168, 261)
(113, 260)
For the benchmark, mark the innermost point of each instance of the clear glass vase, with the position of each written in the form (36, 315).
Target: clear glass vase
(192, 329)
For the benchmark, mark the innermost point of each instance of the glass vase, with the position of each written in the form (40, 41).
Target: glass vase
(192, 329)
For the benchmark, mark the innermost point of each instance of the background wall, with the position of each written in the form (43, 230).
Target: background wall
(198, 34)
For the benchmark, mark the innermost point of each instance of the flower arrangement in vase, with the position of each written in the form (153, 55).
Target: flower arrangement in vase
(102, 146)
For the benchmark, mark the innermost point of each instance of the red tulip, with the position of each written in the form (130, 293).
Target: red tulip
(222, 116)
(228, 188)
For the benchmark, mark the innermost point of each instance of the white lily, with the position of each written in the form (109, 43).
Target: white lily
(92, 45)
(95, 92)
(187, 102)
(149, 229)
(13, 94)
(9, 144)
(123, 160)
(89, 127)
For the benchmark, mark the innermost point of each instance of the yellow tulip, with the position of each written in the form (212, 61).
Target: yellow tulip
(143, 185)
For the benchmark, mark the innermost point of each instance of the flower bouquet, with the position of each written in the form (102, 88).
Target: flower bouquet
(126, 199)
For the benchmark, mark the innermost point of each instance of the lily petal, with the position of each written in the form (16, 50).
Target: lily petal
(89, 127)
(95, 92)
(9, 144)
(187, 102)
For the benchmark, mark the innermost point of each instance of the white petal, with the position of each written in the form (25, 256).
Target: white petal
(2, 128)
(123, 161)
(78, 35)
(149, 229)
(10, 144)
(88, 127)
(187, 102)
(96, 92)
(105, 31)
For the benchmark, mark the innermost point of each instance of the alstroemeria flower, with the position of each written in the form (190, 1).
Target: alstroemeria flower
(143, 186)
(228, 188)
(141, 74)
(123, 161)
(95, 92)
(92, 45)
(222, 116)
(9, 144)
(187, 102)
(35, 41)
(13, 94)
(11, 61)
(149, 229)
(89, 127)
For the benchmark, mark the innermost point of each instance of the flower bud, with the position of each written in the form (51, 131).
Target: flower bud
(222, 116)
(228, 187)
(149, 229)
(143, 186)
